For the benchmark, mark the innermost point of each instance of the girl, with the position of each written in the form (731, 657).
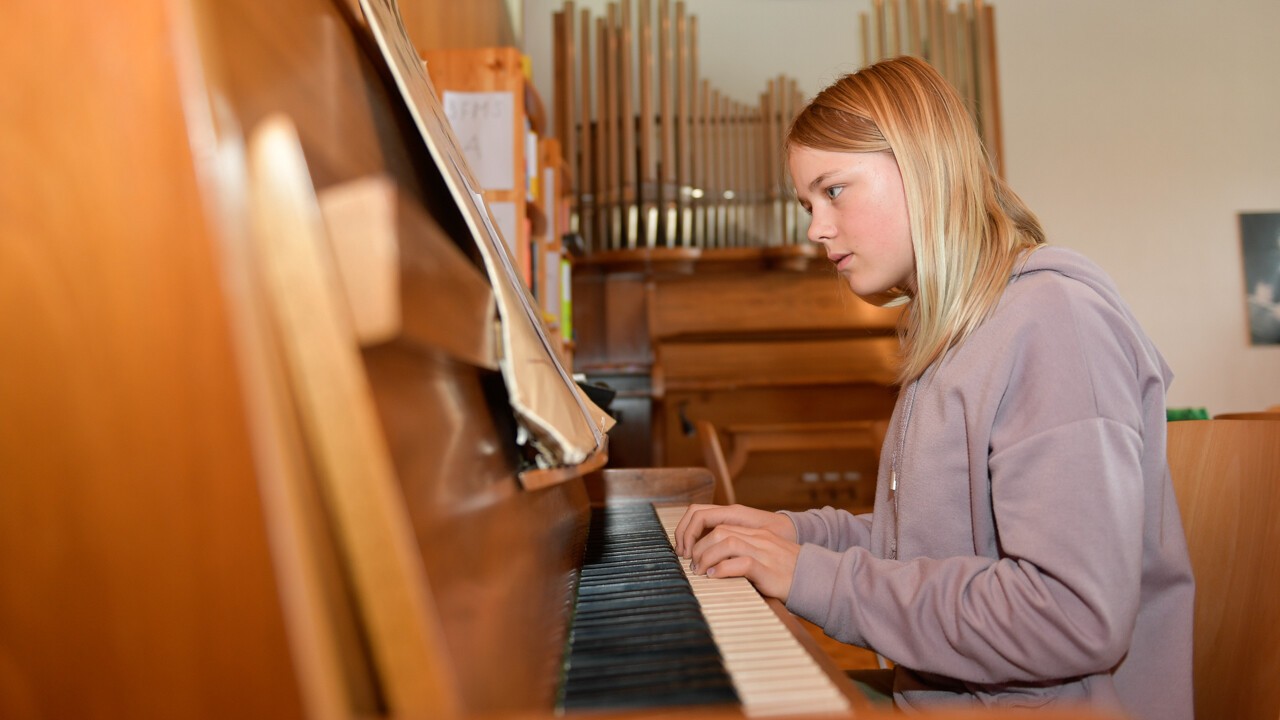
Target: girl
(1025, 546)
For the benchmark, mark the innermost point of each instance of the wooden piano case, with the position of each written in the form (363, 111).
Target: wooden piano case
(173, 542)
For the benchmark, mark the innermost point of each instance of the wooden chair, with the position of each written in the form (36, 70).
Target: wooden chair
(1226, 474)
(746, 439)
(713, 456)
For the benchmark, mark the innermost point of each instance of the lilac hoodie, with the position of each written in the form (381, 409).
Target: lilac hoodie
(1032, 552)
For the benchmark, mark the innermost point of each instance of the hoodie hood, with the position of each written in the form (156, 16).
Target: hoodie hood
(1071, 264)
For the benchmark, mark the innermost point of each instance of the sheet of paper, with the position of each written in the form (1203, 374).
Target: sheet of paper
(482, 122)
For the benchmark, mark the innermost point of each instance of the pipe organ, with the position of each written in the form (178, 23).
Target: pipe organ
(663, 160)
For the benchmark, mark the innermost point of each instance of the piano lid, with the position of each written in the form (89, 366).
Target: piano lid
(562, 424)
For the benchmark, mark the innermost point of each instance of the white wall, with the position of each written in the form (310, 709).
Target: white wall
(1136, 130)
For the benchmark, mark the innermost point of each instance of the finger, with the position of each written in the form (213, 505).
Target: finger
(695, 522)
(723, 542)
(764, 560)
(738, 566)
(683, 528)
(768, 580)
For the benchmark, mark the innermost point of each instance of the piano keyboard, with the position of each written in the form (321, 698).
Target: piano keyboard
(638, 638)
(648, 633)
(772, 673)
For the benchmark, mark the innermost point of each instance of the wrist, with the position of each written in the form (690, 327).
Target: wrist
(784, 527)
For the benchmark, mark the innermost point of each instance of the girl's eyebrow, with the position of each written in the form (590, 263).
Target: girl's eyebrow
(821, 179)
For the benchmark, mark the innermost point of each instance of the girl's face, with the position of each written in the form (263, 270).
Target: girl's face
(859, 215)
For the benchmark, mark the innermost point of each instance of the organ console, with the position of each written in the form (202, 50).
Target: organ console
(229, 489)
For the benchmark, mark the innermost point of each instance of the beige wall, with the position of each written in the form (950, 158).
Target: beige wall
(1137, 130)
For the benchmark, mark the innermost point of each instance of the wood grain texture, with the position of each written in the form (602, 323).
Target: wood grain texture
(136, 574)
(728, 365)
(1227, 477)
(760, 302)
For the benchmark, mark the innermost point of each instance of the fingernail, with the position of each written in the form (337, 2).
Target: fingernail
(693, 567)
(711, 572)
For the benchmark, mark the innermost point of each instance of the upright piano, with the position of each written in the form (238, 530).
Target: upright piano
(264, 450)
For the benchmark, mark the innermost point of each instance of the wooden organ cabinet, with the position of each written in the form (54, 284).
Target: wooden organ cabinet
(281, 435)
(750, 350)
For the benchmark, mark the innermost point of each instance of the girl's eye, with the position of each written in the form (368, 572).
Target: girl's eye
(833, 192)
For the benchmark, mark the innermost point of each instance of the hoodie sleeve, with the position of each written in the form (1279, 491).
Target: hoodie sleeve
(831, 528)
(1060, 597)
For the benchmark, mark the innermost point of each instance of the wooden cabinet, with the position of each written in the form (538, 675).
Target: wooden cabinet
(739, 345)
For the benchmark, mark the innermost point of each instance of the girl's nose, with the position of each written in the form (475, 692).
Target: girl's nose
(818, 232)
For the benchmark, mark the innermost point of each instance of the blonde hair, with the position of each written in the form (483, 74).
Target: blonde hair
(968, 228)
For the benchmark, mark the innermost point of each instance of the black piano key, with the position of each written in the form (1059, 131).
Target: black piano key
(709, 672)
(638, 637)
(631, 584)
(644, 667)
(697, 692)
(626, 627)
(648, 645)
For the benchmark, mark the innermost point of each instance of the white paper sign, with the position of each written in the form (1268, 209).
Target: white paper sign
(484, 124)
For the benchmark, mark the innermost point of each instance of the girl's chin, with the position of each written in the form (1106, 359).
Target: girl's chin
(874, 294)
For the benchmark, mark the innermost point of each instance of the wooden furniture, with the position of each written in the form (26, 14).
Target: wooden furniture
(713, 457)
(1227, 477)
(445, 24)
(1269, 415)
(847, 487)
(738, 344)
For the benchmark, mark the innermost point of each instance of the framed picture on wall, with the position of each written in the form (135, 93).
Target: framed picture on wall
(1260, 242)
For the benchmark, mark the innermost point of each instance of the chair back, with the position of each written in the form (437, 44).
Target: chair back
(714, 457)
(1226, 474)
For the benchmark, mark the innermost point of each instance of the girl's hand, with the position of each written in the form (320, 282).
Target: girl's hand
(701, 519)
(760, 556)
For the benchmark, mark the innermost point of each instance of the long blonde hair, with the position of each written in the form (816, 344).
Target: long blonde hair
(968, 228)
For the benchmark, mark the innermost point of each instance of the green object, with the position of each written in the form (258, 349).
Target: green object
(566, 300)
(1172, 414)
